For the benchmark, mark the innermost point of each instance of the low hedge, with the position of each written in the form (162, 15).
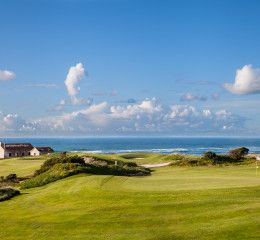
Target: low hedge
(8, 193)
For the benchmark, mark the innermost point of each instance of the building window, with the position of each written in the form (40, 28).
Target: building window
(22, 154)
(10, 154)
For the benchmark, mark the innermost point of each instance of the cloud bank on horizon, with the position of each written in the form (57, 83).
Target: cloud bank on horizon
(147, 116)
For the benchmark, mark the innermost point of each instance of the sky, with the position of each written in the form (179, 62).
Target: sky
(129, 67)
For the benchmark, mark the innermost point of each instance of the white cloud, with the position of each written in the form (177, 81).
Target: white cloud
(247, 81)
(6, 75)
(190, 119)
(14, 124)
(75, 74)
(147, 116)
(148, 107)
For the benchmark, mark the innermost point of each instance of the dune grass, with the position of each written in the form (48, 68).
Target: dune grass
(172, 203)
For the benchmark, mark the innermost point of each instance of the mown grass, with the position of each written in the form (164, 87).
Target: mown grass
(173, 203)
(21, 166)
(206, 202)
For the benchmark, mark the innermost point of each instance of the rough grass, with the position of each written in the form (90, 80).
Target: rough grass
(172, 203)
(174, 159)
(144, 158)
(55, 173)
(59, 167)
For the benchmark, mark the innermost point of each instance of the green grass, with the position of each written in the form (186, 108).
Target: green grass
(142, 158)
(172, 203)
(55, 173)
(21, 166)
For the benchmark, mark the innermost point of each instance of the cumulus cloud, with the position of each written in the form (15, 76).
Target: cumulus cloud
(14, 124)
(75, 74)
(6, 75)
(147, 107)
(204, 120)
(192, 97)
(147, 116)
(247, 81)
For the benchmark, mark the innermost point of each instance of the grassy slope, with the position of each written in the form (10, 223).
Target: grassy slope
(142, 158)
(173, 203)
(21, 166)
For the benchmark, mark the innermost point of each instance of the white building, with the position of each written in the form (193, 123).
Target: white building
(15, 149)
(36, 151)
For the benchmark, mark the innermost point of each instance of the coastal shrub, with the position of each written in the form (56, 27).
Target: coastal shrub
(192, 162)
(238, 153)
(48, 164)
(9, 180)
(8, 193)
(133, 155)
(11, 177)
(58, 171)
(234, 156)
(210, 156)
(117, 170)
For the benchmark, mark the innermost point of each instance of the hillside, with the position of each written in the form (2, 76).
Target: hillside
(172, 203)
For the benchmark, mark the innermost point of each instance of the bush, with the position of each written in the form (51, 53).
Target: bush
(193, 162)
(48, 164)
(11, 177)
(234, 156)
(118, 170)
(9, 180)
(133, 155)
(8, 193)
(238, 153)
(210, 156)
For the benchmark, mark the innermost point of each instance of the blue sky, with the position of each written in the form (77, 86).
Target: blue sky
(150, 67)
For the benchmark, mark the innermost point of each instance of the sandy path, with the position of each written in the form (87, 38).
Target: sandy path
(156, 165)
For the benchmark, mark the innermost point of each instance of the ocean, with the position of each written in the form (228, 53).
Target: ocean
(167, 145)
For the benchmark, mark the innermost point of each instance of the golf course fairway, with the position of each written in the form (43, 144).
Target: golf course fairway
(172, 203)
